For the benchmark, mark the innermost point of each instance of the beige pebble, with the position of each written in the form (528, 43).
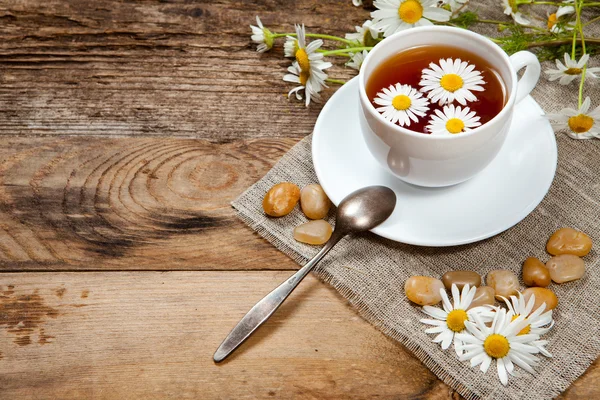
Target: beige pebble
(314, 202)
(565, 268)
(281, 199)
(535, 273)
(504, 282)
(542, 295)
(460, 278)
(569, 241)
(484, 295)
(423, 290)
(313, 232)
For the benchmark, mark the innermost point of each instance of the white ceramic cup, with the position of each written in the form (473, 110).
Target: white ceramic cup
(434, 161)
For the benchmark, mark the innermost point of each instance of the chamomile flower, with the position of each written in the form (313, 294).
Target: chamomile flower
(500, 343)
(539, 322)
(261, 36)
(456, 5)
(396, 15)
(451, 320)
(452, 120)
(554, 19)
(365, 35)
(571, 70)
(451, 80)
(401, 104)
(510, 8)
(307, 69)
(581, 123)
(357, 60)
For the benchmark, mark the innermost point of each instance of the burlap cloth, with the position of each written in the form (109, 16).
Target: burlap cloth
(370, 271)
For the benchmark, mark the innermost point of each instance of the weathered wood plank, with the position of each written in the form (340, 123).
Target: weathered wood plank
(155, 68)
(118, 204)
(152, 335)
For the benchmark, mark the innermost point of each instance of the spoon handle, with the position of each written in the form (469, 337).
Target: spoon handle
(269, 304)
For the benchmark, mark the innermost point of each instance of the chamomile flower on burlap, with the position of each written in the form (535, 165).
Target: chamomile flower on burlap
(452, 120)
(307, 69)
(511, 8)
(571, 70)
(539, 322)
(500, 343)
(365, 35)
(357, 59)
(456, 5)
(261, 36)
(581, 123)
(401, 104)
(554, 20)
(397, 15)
(451, 320)
(451, 80)
(357, 3)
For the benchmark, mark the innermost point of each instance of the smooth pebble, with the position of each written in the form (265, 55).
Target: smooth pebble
(542, 295)
(461, 278)
(504, 282)
(281, 199)
(314, 202)
(535, 273)
(423, 290)
(569, 241)
(313, 232)
(484, 295)
(565, 268)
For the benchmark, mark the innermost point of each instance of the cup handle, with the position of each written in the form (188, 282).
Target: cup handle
(527, 60)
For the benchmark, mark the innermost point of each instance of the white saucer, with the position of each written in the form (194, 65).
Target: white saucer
(496, 199)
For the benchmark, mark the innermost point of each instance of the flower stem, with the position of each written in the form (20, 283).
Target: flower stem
(336, 81)
(578, 5)
(560, 42)
(317, 36)
(346, 50)
(591, 21)
(340, 55)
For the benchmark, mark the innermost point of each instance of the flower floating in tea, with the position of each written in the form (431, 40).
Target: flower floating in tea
(571, 70)
(308, 68)
(452, 120)
(397, 15)
(451, 80)
(401, 104)
(540, 322)
(451, 320)
(581, 123)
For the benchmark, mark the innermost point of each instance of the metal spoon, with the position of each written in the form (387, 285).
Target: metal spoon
(360, 211)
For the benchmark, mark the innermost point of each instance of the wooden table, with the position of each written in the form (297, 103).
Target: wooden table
(126, 130)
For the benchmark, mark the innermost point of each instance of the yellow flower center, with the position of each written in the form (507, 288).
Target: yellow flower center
(451, 82)
(513, 5)
(456, 320)
(455, 125)
(552, 20)
(303, 61)
(410, 11)
(523, 331)
(496, 346)
(304, 75)
(581, 123)
(573, 71)
(401, 102)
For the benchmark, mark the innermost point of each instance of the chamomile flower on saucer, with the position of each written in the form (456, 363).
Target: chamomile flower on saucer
(307, 69)
(539, 322)
(581, 123)
(401, 104)
(452, 120)
(261, 36)
(365, 35)
(451, 80)
(571, 70)
(511, 8)
(357, 60)
(451, 320)
(396, 15)
(500, 343)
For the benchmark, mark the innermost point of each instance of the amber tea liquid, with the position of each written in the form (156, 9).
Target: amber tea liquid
(406, 68)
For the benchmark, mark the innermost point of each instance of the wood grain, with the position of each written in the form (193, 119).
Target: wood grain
(160, 68)
(158, 204)
(152, 335)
